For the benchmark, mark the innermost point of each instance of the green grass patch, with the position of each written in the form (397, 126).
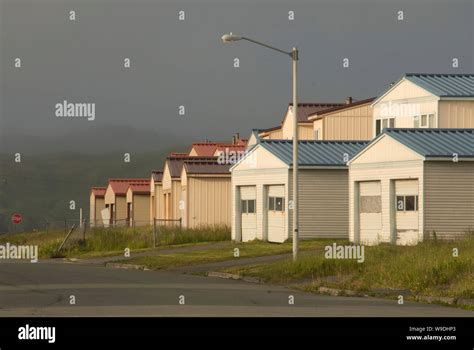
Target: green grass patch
(113, 241)
(223, 253)
(428, 268)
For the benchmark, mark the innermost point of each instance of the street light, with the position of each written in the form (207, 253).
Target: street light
(230, 38)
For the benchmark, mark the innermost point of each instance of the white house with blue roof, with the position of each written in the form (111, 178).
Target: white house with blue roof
(262, 188)
(408, 185)
(426, 101)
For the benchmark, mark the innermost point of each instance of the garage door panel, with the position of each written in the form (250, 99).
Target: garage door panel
(276, 218)
(370, 212)
(406, 221)
(248, 220)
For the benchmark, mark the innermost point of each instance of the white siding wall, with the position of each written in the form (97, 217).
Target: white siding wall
(258, 178)
(386, 173)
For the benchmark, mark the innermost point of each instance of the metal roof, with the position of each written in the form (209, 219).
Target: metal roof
(444, 85)
(436, 142)
(314, 153)
(175, 164)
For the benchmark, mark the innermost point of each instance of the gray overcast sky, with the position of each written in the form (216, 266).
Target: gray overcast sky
(184, 63)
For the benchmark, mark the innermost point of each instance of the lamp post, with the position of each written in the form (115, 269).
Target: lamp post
(229, 38)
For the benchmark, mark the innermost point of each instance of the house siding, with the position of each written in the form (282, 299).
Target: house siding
(449, 196)
(323, 203)
(456, 114)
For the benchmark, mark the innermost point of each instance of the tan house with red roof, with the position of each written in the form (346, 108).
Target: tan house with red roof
(97, 204)
(116, 198)
(351, 121)
(205, 194)
(171, 185)
(305, 126)
(138, 204)
(156, 194)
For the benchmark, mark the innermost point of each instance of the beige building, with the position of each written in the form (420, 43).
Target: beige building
(284, 131)
(426, 101)
(171, 185)
(138, 204)
(408, 185)
(205, 194)
(156, 195)
(262, 188)
(97, 204)
(116, 199)
(352, 121)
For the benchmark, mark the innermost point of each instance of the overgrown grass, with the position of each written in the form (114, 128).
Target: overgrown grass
(111, 241)
(427, 268)
(226, 252)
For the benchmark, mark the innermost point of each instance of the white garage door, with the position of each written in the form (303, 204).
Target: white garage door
(406, 211)
(248, 210)
(370, 212)
(276, 213)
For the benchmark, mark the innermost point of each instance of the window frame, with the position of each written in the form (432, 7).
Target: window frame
(404, 196)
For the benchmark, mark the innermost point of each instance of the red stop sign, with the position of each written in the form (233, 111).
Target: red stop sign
(16, 218)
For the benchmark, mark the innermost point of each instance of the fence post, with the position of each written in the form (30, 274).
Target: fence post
(154, 233)
(180, 224)
(84, 229)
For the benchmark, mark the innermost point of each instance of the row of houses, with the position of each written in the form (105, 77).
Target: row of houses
(193, 188)
(396, 168)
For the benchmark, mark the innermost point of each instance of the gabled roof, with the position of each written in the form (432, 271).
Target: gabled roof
(441, 85)
(314, 153)
(324, 112)
(207, 168)
(120, 186)
(306, 109)
(204, 149)
(157, 175)
(98, 191)
(139, 188)
(175, 164)
(435, 142)
(444, 85)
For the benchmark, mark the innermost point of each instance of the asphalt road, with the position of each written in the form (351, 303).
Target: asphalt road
(44, 289)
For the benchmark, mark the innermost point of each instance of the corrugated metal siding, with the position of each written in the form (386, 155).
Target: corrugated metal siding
(456, 114)
(323, 203)
(449, 196)
(209, 201)
(120, 208)
(351, 124)
(141, 210)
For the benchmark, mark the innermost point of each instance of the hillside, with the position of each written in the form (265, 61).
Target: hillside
(41, 187)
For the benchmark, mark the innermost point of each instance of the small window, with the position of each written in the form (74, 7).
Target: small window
(407, 203)
(410, 203)
(378, 128)
(416, 121)
(424, 121)
(271, 203)
(391, 122)
(400, 203)
(431, 121)
(251, 206)
(279, 204)
(385, 123)
(244, 206)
